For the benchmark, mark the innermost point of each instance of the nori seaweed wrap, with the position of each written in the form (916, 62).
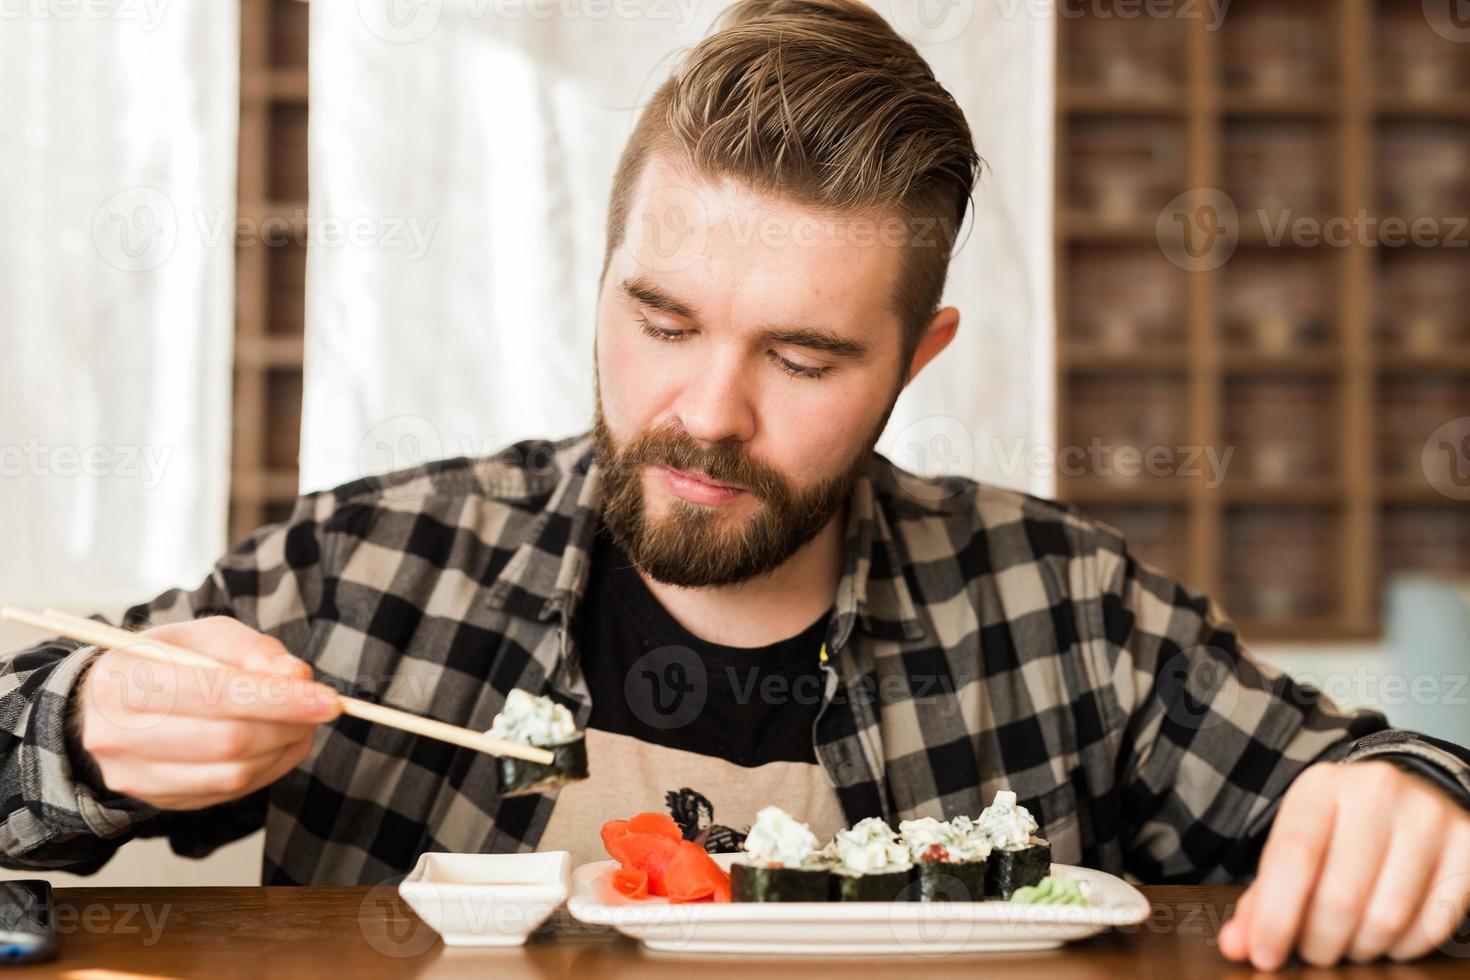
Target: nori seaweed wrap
(767, 883)
(518, 777)
(1010, 868)
(874, 886)
(950, 881)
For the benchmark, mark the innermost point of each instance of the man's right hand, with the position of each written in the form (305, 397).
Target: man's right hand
(184, 738)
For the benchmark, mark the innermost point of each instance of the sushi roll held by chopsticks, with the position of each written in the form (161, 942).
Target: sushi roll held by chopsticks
(870, 864)
(949, 858)
(1018, 857)
(541, 722)
(781, 862)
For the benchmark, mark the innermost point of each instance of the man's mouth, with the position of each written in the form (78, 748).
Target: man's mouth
(697, 488)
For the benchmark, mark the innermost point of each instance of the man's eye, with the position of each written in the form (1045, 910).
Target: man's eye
(660, 333)
(788, 366)
(800, 370)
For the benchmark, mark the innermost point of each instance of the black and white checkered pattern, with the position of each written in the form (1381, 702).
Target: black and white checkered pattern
(981, 639)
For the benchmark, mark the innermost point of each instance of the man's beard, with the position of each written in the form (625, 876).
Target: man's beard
(691, 546)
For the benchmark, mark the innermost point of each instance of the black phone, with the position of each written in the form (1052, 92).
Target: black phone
(27, 931)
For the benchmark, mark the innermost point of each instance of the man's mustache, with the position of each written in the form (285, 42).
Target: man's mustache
(723, 462)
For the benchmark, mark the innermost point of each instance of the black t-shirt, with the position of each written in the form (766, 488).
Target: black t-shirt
(652, 679)
(706, 733)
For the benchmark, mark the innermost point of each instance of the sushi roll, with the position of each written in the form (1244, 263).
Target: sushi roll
(781, 862)
(1017, 856)
(541, 722)
(949, 859)
(870, 864)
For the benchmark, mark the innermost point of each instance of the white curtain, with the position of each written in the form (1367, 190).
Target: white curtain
(472, 144)
(117, 177)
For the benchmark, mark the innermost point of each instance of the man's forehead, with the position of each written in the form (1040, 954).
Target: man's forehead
(687, 236)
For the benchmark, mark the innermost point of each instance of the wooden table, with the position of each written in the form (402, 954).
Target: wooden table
(355, 933)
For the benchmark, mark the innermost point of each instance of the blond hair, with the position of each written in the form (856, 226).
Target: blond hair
(822, 103)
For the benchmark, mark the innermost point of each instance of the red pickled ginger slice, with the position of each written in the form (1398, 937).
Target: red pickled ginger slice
(654, 823)
(651, 854)
(693, 876)
(630, 882)
(646, 846)
(612, 834)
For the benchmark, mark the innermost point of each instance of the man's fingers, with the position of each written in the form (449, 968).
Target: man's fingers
(192, 785)
(1234, 938)
(1345, 883)
(1404, 880)
(1442, 910)
(1288, 871)
(289, 758)
(132, 691)
(176, 738)
(231, 642)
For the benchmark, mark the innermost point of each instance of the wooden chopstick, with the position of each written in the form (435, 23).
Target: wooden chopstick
(103, 635)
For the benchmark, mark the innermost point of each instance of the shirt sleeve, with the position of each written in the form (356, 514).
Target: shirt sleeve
(1211, 737)
(56, 815)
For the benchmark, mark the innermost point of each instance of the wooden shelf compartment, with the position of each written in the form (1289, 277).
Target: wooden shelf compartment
(1282, 564)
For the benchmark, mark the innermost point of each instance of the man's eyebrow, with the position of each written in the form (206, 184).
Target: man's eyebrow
(812, 338)
(651, 296)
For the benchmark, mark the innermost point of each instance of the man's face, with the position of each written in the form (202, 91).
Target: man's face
(747, 360)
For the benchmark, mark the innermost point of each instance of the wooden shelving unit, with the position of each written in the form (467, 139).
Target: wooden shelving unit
(1323, 368)
(270, 268)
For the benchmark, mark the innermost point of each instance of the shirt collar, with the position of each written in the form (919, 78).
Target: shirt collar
(547, 575)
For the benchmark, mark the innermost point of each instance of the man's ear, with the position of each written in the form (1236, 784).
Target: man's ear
(936, 337)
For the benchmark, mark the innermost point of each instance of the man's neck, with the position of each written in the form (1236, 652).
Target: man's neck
(765, 610)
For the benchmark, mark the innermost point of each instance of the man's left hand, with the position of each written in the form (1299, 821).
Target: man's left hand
(1364, 860)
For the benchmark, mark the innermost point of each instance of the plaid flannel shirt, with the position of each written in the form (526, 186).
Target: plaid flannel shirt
(981, 639)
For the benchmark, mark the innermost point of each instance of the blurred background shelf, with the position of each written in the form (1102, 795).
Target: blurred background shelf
(1321, 368)
(1124, 490)
(1101, 102)
(280, 85)
(1104, 360)
(270, 256)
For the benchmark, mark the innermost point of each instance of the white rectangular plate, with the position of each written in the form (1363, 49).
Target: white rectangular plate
(854, 928)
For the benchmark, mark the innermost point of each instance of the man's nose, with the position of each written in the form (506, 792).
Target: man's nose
(717, 403)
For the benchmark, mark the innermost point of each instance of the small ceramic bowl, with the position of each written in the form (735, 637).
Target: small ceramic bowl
(487, 899)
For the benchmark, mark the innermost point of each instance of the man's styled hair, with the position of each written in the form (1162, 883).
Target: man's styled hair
(822, 103)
